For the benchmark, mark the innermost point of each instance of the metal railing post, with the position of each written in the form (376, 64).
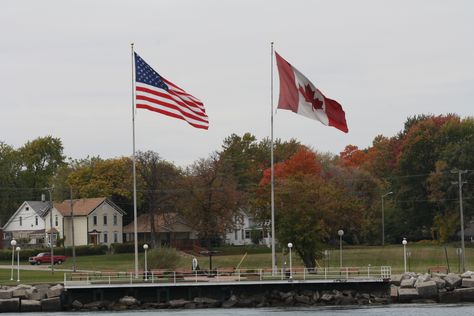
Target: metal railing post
(238, 273)
(196, 275)
(174, 277)
(325, 273)
(152, 277)
(304, 274)
(131, 277)
(261, 278)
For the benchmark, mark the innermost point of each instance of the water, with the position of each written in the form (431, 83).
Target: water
(392, 310)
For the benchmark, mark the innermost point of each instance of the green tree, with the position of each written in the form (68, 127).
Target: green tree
(160, 186)
(40, 159)
(212, 198)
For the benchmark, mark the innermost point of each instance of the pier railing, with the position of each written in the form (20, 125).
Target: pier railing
(339, 274)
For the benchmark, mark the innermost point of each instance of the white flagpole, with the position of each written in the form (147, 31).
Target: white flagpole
(274, 267)
(135, 235)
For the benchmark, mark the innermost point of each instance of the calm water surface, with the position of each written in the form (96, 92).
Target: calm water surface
(392, 310)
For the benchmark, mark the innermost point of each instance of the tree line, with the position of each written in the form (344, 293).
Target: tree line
(316, 194)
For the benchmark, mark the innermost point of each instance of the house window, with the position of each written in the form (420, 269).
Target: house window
(105, 238)
(115, 220)
(236, 234)
(21, 221)
(105, 220)
(36, 220)
(56, 221)
(94, 220)
(27, 208)
(247, 234)
(242, 234)
(115, 237)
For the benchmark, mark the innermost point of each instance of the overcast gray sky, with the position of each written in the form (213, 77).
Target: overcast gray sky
(65, 69)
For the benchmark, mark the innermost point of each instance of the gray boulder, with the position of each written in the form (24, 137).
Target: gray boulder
(19, 292)
(231, 302)
(452, 281)
(129, 301)
(427, 289)
(447, 297)
(55, 291)
(51, 304)
(396, 279)
(467, 274)
(406, 295)
(5, 294)
(327, 297)
(303, 299)
(11, 305)
(178, 303)
(30, 306)
(76, 304)
(467, 282)
(206, 301)
(440, 283)
(408, 283)
(467, 294)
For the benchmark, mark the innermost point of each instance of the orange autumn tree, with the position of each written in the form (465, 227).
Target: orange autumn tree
(303, 200)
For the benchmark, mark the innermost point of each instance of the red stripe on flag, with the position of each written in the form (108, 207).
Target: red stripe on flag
(288, 91)
(153, 109)
(171, 106)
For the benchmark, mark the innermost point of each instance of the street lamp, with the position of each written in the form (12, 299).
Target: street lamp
(13, 243)
(383, 217)
(145, 246)
(340, 232)
(404, 242)
(290, 245)
(18, 266)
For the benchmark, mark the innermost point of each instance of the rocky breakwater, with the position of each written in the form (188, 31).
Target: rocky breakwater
(31, 298)
(429, 288)
(268, 299)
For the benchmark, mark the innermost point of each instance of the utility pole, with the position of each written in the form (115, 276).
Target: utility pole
(72, 233)
(461, 216)
(383, 218)
(50, 226)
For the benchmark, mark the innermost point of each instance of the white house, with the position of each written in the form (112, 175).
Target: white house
(27, 223)
(241, 235)
(96, 221)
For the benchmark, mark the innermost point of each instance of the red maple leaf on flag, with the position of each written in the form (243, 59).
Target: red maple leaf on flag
(308, 94)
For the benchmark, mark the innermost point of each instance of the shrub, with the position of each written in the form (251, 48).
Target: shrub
(240, 250)
(87, 250)
(128, 247)
(163, 258)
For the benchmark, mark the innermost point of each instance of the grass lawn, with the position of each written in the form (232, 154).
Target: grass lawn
(30, 277)
(422, 257)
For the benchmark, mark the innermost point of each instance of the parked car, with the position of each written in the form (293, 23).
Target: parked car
(45, 257)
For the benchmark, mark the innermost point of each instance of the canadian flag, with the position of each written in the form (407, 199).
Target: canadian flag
(300, 96)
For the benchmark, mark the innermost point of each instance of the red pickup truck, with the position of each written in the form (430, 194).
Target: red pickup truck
(45, 257)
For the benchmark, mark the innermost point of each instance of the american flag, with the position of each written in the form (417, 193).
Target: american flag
(155, 93)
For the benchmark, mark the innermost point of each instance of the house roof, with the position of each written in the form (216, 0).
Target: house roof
(163, 223)
(83, 207)
(40, 208)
